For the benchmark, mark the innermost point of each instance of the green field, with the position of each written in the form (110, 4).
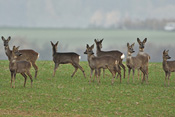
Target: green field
(74, 38)
(66, 96)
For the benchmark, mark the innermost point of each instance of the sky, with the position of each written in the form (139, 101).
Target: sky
(81, 13)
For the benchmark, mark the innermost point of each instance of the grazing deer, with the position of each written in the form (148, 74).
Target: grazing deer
(27, 55)
(22, 67)
(168, 66)
(119, 56)
(137, 62)
(141, 50)
(105, 62)
(65, 58)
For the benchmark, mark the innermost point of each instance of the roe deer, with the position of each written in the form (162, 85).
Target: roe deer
(105, 62)
(168, 66)
(141, 51)
(22, 67)
(27, 55)
(119, 56)
(65, 58)
(137, 62)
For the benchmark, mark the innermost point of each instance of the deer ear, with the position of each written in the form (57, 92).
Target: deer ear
(167, 51)
(3, 38)
(87, 46)
(9, 38)
(127, 44)
(95, 40)
(17, 47)
(57, 43)
(138, 40)
(164, 51)
(92, 46)
(51, 43)
(132, 44)
(144, 41)
(101, 40)
(14, 47)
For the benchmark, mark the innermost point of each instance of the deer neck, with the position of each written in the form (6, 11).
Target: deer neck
(128, 55)
(12, 64)
(141, 49)
(98, 49)
(8, 52)
(54, 51)
(165, 65)
(90, 57)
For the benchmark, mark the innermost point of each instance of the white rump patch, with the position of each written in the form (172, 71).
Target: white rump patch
(116, 62)
(123, 56)
(79, 57)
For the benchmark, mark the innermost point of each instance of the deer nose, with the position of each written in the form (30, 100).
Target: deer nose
(85, 52)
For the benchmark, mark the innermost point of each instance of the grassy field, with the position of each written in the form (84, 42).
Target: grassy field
(66, 96)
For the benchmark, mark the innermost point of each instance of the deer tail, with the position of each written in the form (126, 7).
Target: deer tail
(123, 56)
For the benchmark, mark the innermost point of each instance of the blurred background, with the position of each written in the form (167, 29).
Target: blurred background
(32, 24)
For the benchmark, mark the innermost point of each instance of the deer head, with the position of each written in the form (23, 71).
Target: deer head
(89, 50)
(98, 43)
(6, 42)
(15, 52)
(141, 43)
(165, 55)
(130, 48)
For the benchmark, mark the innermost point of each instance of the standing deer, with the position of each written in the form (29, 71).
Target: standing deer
(119, 56)
(168, 66)
(105, 62)
(65, 58)
(132, 62)
(22, 67)
(27, 55)
(141, 51)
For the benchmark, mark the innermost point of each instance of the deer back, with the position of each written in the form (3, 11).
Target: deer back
(64, 58)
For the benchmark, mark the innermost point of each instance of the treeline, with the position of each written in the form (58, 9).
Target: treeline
(130, 24)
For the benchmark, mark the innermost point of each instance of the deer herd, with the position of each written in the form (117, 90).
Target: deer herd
(21, 61)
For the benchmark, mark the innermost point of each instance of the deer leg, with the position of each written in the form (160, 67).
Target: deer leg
(124, 70)
(169, 78)
(36, 68)
(91, 75)
(55, 68)
(133, 72)
(165, 78)
(99, 70)
(129, 70)
(81, 70)
(76, 68)
(143, 71)
(14, 79)
(103, 73)
(12, 75)
(25, 78)
(30, 76)
(138, 74)
(95, 75)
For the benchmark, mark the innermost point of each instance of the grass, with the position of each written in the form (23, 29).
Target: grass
(66, 96)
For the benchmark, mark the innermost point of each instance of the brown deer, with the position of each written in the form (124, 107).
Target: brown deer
(141, 50)
(65, 58)
(22, 67)
(168, 66)
(119, 56)
(27, 55)
(105, 62)
(138, 62)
